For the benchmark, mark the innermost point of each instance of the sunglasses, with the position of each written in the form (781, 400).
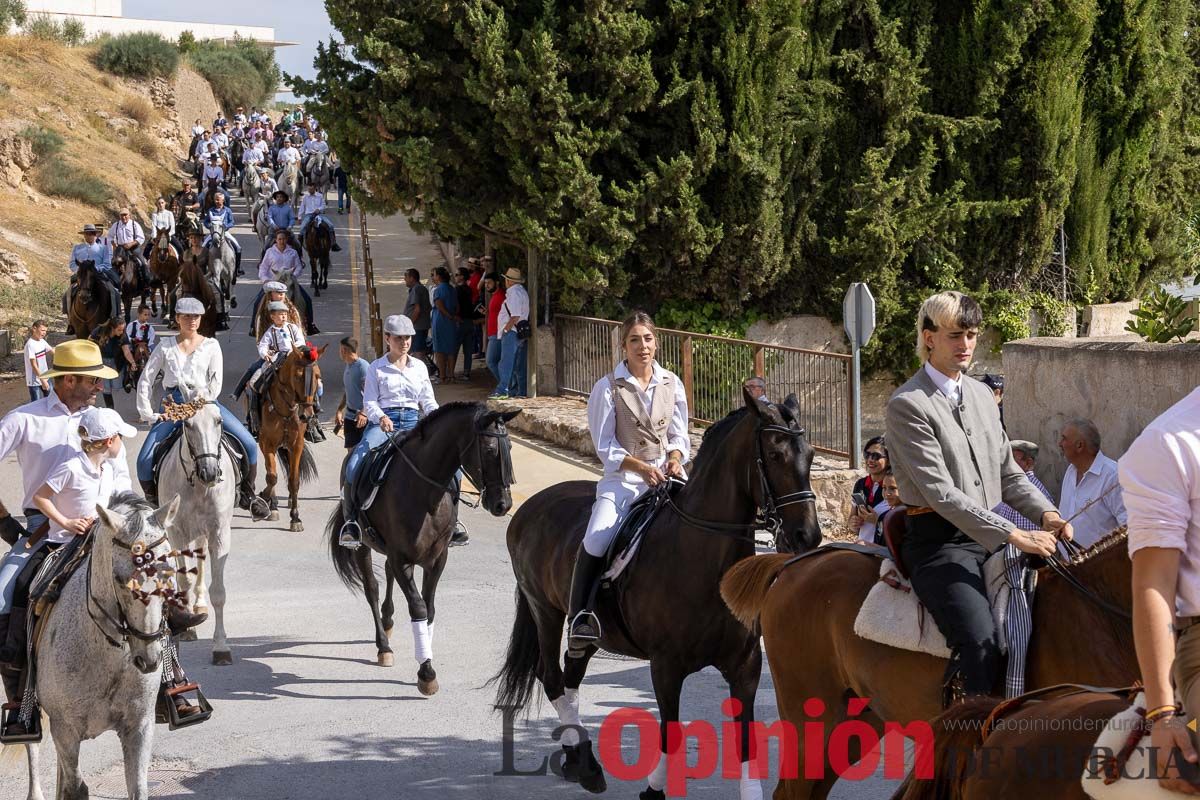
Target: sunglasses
(875, 456)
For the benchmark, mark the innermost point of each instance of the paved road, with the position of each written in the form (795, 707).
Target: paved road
(304, 713)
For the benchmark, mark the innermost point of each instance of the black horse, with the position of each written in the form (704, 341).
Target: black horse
(667, 608)
(414, 513)
(318, 243)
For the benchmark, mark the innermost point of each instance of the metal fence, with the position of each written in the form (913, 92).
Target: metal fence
(713, 369)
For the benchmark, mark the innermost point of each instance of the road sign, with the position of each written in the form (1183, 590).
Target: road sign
(858, 310)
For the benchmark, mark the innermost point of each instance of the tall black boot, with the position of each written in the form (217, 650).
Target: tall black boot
(584, 628)
(5, 619)
(150, 492)
(237, 262)
(247, 499)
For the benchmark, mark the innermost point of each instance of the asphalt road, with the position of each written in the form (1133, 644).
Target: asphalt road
(304, 712)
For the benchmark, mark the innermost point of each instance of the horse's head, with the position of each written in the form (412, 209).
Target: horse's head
(218, 234)
(782, 487)
(488, 461)
(141, 354)
(300, 377)
(162, 237)
(202, 444)
(129, 553)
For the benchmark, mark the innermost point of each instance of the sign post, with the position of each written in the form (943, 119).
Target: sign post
(858, 311)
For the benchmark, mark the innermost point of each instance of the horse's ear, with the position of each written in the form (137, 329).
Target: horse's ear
(508, 416)
(321, 350)
(108, 519)
(793, 403)
(752, 403)
(164, 516)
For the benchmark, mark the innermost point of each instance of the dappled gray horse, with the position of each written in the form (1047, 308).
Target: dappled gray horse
(100, 663)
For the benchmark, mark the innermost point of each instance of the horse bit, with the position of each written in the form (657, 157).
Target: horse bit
(194, 473)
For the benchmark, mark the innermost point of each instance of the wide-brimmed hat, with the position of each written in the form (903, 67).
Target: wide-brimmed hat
(79, 357)
(515, 275)
(276, 305)
(399, 325)
(90, 229)
(286, 197)
(213, 157)
(189, 305)
(103, 423)
(274, 286)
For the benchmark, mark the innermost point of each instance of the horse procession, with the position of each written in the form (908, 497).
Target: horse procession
(657, 561)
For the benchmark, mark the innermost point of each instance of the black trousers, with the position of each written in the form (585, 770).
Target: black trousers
(946, 567)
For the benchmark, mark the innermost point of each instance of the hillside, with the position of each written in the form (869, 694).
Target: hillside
(126, 134)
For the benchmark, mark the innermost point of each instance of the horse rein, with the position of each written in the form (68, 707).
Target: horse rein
(506, 477)
(124, 629)
(308, 399)
(1056, 564)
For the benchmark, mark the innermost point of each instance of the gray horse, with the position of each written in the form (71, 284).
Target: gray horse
(102, 663)
(251, 184)
(202, 472)
(222, 264)
(320, 172)
(288, 178)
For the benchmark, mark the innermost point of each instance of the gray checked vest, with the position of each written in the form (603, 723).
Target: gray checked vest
(644, 437)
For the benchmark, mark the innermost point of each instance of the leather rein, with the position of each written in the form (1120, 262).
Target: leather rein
(307, 400)
(194, 474)
(1060, 568)
(120, 622)
(506, 477)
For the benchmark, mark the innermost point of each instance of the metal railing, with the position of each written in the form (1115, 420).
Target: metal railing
(713, 369)
(374, 321)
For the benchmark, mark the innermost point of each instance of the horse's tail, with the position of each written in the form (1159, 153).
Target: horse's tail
(744, 587)
(519, 673)
(956, 736)
(344, 561)
(308, 465)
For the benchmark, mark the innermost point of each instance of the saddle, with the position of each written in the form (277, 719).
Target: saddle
(230, 442)
(641, 515)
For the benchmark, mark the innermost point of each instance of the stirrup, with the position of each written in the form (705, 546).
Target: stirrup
(9, 714)
(579, 640)
(166, 712)
(351, 536)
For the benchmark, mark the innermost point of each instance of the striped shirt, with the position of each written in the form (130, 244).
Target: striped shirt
(1015, 517)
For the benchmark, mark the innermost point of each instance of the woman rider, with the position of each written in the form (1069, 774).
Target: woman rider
(192, 367)
(638, 417)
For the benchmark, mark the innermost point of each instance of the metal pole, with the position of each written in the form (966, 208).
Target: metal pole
(856, 416)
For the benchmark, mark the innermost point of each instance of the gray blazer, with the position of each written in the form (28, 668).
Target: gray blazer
(959, 464)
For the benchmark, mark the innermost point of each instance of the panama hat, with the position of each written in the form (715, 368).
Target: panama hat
(399, 325)
(103, 423)
(189, 305)
(79, 357)
(515, 275)
(90, 229)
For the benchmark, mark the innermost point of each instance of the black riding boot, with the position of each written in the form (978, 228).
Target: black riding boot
(584, 628)
(237, 262)
(180, 620)
(5, 619)
(247, 499)
(150, 492)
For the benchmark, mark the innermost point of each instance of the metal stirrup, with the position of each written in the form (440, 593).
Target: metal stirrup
(350, 536)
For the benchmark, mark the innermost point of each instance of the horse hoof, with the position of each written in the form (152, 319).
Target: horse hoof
(297, 527)
(222, 658)
(233, 301)
(274, 517)
(188, 636)
(427, 688)
(386, 660)
(652, 794)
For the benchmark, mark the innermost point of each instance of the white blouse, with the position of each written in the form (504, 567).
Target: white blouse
(388, 386)
(161, 220)
(197, 375)
(602, 418)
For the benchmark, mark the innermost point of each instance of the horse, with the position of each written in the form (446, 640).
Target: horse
(202, 473)
(318, 242)
(260, 221)
(100, 666)
(222, 263)
(133, 287)
(251, 186)
(236, 150)
(667, 609)
(319, 172)
(1080, 633)
(288, 405)
(141, 354)
(164, 266)
(92, 304)
(288, 179)
(207, 201)
(414, 515)
(194, 283)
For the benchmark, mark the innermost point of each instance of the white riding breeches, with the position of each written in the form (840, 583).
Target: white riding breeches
(614, 495)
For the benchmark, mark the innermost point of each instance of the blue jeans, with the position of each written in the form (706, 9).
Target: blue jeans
(112, 384)
(405, 419)
(492, 354)
(343, 194)
(163, 428)
(12, 564)
(36, 393)
(512, 365)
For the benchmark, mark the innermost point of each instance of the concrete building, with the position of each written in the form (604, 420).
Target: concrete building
(104, 16)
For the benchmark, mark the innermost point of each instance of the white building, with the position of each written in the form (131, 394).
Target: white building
(104, 16)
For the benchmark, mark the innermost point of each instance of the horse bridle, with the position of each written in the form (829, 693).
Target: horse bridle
(771, 519)
(195, 472)
(507, 477)
(1055, 563)
(308, 399)
(125, 630)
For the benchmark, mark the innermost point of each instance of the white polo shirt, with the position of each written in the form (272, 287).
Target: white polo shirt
(1104, 516)
(36, 352)
(42, 434)
(78, 486)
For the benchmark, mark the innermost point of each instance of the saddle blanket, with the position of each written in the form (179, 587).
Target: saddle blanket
(894, 616)
(1113, 738)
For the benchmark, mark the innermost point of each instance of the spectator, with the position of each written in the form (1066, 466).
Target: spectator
(445, 323)
(1025, 454)
(478, 305)
(417, 309)
(891, 496)
(115, 350)
(867, 501)
(466, 322)
(343, 186)
(1091, 483)
(495, 293)
(757, 387)
(36, 349)
(350, 414)
(514, 315)
(996, 384)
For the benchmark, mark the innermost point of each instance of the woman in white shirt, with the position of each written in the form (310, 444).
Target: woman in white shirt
(161, 219)
(396, 393)
(192, 367)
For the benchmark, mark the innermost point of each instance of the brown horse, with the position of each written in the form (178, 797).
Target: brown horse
(141, 354)
(1041, 748)
(92, 304)
(317, 243)
(133, 287)
(194, 283)
(211, 192)
(807, 614)
(288, 404)
(164, 266)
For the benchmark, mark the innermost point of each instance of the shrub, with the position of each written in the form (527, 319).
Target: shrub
(143, 144)
(138, 108)
(45, 142)
(1161, 318)
(4, 88)
(12, 12)
(44, 27)
(61, 179)
(138, 55)
(107, 82)
(186, 43)
(73, 32)
(241, 74)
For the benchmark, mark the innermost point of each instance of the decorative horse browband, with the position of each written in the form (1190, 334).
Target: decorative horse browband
(148, 566)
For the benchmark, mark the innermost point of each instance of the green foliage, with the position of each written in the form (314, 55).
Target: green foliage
(74, 33)
(12, 12)
(1161, 318)
(62, 179)
(706, 317)
(45, 141)
(1009, 313)
(44, 27)
(241, 74)
(138, 55)
(186, 42)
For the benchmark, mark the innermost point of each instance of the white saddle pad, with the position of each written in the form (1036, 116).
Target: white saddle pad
(1112, 739)
(896, 618)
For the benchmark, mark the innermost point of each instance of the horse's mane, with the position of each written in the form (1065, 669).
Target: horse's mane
(1086, 568)
(445, 411)
(131, 506)
(717, 433)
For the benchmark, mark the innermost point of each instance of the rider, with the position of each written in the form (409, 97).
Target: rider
(161, 219)
(312, 206)
(953, 462)
(192, 368)
(281, 258)
(141, 329)
(252, 156)
(214, 172)
(223, 214)
(638, 418)
(280, 213)
(202, 144)
(221, 138)
(127, 234)
(288, 155)
(396, 391)
(185, 202)
(278, 340)
(316, 144)
(100, 254)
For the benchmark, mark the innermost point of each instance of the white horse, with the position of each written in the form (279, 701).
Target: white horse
(320, 172)
(288, 179)
(251, 184)
(261, 222)
(202, 472)
(100, 663)
(222, 263)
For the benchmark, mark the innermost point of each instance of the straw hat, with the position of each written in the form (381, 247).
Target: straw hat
(515, 275)
(79, 357)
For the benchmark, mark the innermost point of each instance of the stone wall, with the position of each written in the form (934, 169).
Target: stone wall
(1120, 385)
(193, 98)
(1106, 319)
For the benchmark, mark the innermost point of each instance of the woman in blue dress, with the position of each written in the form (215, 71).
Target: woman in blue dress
(445, 323)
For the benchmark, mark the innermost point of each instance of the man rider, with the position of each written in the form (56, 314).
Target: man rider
(99, 253)
(126, 234)
(221, 213)
(280, 213)
(213, 171)
(186, 201)
(312, 206)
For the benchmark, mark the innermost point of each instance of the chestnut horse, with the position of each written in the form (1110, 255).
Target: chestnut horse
(1078, 636)
(194, 283)
(141, 354)
(164, 266)
(288, 405)
(132, 285)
